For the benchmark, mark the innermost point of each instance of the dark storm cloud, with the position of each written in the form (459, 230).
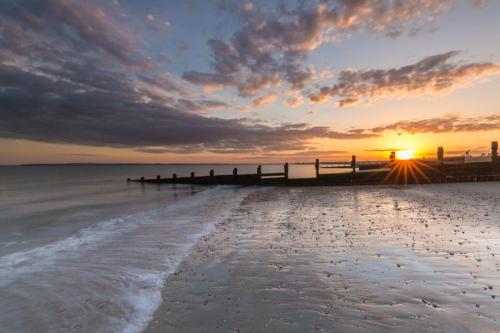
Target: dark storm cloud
(431, 74)
(53, 109)
(271, 48)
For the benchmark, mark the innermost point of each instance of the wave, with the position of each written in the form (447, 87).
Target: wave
(128, 256)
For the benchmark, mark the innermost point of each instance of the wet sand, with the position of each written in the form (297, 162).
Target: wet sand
(353, 259)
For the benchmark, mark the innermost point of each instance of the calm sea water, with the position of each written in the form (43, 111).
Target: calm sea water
(81, 249)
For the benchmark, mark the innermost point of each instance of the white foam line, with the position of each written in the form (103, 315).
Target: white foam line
(34, 259)
(148, 301)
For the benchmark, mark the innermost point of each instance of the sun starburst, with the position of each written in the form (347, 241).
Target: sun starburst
(406, 154)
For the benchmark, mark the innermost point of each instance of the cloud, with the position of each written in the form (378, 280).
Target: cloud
(295, 101)
(87, 111)
(451, 123)
(383, 150)
(202, 105)
(264, 100)
(270, 49)
(153, 150)
(247, 5)
(70, 75)
(432, 74)
(308, 153)
(326, 74)
(68, 24)
(207, 80)
(347, 101)
(479, 3)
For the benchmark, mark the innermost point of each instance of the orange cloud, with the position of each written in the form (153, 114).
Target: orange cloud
(266, 99)
(445, 124)
(432, 74)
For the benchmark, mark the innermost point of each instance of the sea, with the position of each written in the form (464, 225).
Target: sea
(83, 250)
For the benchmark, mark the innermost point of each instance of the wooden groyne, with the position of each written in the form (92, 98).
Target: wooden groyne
(211, 179)
(340, 179)
(396, 172)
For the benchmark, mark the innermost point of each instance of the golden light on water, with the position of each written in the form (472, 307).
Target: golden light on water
(406, 154)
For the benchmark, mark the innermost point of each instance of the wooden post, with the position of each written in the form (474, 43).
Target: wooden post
(353, 163)
(494, 151)
(440, 154)
(158, 177)
(212, 173)
(192, 174)
(174, 177)
(235, 172)
(316, 166)
(142, 179)
(286, 170)
(259, 172)
(392, 157)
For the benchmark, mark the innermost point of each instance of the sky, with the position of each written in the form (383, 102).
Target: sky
(222, 81)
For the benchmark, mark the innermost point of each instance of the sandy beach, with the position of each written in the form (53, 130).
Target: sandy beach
(352, 259)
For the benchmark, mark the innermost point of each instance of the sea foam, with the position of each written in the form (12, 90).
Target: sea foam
(108, 276)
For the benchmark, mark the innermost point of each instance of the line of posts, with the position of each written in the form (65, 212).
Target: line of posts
(440, 157)
(259, 171)
(235, 173)
(353, 165)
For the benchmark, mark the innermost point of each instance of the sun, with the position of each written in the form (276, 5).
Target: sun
(406, 154)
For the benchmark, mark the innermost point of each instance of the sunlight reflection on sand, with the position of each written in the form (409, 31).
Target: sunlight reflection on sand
(346, 259)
